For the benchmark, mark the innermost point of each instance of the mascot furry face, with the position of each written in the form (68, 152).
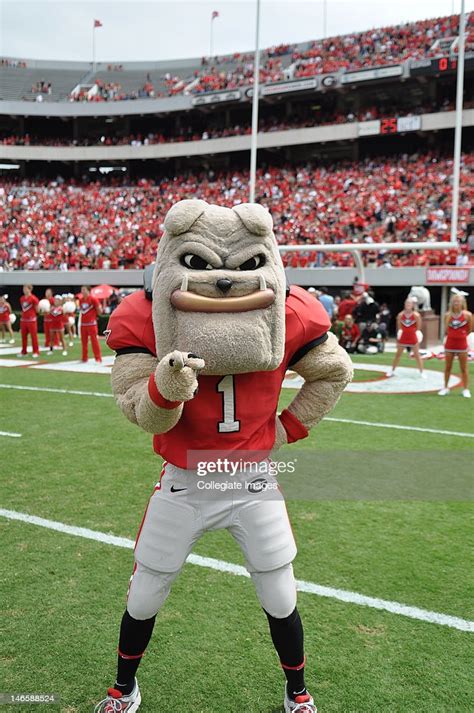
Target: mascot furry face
(219, 287)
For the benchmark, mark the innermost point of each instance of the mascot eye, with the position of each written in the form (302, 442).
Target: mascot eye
(253, 263)
(195, 262)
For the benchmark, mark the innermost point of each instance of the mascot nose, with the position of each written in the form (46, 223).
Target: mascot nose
(224, 284)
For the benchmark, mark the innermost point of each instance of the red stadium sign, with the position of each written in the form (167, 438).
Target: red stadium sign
(447, 275)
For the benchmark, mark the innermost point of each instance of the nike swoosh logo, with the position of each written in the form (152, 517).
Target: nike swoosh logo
(177, 490)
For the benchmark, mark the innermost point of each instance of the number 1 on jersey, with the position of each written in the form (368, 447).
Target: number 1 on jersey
(226, 388)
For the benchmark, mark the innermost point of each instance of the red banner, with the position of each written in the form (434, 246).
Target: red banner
(447, 275)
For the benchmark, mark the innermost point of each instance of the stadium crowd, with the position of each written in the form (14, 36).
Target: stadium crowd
(382, 46)
(374, 47)
(67, 226)
(313, 118)
(385, 45)
(112, 91)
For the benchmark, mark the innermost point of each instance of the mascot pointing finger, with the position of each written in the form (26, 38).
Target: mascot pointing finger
(200, 366)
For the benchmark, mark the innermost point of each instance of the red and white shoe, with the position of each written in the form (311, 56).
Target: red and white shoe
(301, 704)
(116, 702)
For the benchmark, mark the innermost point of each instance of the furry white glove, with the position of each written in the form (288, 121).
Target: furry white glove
(176, 375)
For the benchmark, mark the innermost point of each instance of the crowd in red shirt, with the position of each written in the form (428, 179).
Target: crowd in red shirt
(64, 225)
(318, 116)
(374, 47)
(386, 45)
(112, 91)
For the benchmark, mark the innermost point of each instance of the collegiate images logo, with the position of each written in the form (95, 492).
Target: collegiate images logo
(246, 476)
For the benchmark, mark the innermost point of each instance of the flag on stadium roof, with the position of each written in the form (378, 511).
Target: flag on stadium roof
(97, 23)
(214, 14)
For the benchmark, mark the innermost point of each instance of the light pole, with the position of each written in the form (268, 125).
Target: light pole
(255, 98)
(458, 128)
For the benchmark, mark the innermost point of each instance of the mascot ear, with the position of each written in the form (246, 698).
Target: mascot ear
(255, 218)
(183, 215)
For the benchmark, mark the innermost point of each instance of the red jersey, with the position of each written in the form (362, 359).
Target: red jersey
(56, 317)
(233, 412)
(457, 333)
(349, 334)
(408, 329)
(346, 307)
(89, 307)
(28, 308)
(4, 313)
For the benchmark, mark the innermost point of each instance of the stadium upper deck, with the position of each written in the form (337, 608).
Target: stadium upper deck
(78, 81)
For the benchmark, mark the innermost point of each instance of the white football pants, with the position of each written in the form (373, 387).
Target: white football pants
(184, 506)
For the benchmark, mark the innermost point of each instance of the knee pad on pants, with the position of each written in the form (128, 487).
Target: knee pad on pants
(148, 591)
(276, 591)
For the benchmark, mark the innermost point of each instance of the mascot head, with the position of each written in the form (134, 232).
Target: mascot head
(219, 287)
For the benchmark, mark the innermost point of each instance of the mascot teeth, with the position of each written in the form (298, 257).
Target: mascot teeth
(185, 301)
(188, 301)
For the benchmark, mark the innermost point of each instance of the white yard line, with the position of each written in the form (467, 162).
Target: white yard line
(48, 390)
(342, 595)
(10, 435)
(373, 424)
(399, 427)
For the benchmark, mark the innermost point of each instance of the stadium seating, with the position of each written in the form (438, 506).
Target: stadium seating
(316, 117)
(58, 226)
(18, 82)
(381, 46)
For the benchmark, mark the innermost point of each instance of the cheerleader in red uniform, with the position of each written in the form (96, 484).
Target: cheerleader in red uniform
(29, 321)
(5, 324)
(408, 335)
(48, 295)
(56, 325)
(458, 326)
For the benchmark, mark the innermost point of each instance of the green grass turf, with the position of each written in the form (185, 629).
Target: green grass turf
(80, 462)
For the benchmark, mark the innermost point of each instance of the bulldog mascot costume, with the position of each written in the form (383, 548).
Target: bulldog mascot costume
(200, 366)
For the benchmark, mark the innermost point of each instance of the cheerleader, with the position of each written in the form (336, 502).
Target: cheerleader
(5, 324)
(69, 308)
(458, 326)
(408, 335)
(48, 295)
(56, 325)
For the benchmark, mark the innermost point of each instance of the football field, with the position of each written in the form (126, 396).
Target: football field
(384, 533)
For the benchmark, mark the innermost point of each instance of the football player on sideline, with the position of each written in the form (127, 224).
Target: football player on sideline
(201, 368)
